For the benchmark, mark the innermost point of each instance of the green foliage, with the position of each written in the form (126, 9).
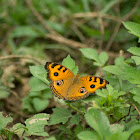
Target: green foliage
(48, 30)
(90, 53)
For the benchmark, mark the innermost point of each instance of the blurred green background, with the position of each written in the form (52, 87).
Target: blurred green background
(35, 31)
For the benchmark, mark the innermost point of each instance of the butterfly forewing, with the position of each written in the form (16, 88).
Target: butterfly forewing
(57, 72)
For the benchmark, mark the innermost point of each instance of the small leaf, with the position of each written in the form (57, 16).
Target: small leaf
(39, 72)
(35, 125)
(134, 51)
(40, 104)
(36, 84)
(90, 54)
(68, 62)
(3, 93)
(19, 129)
(4, 121)
(59, 115)
(75, 119)
(134, 28)
(103, 57)
(88, 135)
(113, 69)
(27, 104)
(136, 59)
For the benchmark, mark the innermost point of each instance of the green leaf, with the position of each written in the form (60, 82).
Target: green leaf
(88, 135)
(39, 72)
(134, 51)
(90, 54)
(103, 57)
(36, 84)
(40, 104)
(136, 92)
(136, 59)
(113, 69)
(134, 28)
(4, 121)
(75, 119)
(98, 121)
(70, 63)
(59, 115)
(18, 129)
(3, 93)
(27, 104)
(35, 125)
(22, 31)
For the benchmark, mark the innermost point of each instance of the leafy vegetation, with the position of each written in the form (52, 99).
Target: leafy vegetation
(88, 37)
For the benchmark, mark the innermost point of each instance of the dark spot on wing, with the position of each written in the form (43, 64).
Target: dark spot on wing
(95, 79)
(56, 74)
(92, 86)
(101, 80)
(64, 69)
(53, 65)
(90, 78)
(60, 68)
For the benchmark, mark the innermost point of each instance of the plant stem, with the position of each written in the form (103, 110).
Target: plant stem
(72, 107)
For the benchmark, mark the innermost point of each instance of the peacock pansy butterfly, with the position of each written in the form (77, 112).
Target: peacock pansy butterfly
(65, 85)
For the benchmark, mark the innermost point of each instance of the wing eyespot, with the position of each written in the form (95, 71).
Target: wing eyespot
(59, 83)
(82, 90)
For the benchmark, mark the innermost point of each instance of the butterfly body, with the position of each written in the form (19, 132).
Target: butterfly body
(65, 85)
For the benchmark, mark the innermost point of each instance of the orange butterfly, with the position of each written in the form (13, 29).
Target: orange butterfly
(65, 85)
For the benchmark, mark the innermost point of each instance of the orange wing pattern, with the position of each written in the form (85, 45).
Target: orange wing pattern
(65, 85)
(88, 85)
(57, 72)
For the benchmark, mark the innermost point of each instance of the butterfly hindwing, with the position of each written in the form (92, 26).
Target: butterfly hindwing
(85, 86)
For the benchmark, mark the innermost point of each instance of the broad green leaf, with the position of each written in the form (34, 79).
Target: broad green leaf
(134, 51)
(27, 104)
(40, 104)
(36, 84)
(75, 70)
(120, 136)
(4, 121)
(134, 28)
(134, 128)
(98, 121)
(75, 119)
(70, 63)
(3, 93)
(103, 57)
(136, 91)
(19, 129)
(36, 124)
(39, 72)
(34, 93)
(136, 59)
(59, 115)
(90, 54)
(88, 135)
(117, 70)
(137, 99)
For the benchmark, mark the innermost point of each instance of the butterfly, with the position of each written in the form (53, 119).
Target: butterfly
(65, 85)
